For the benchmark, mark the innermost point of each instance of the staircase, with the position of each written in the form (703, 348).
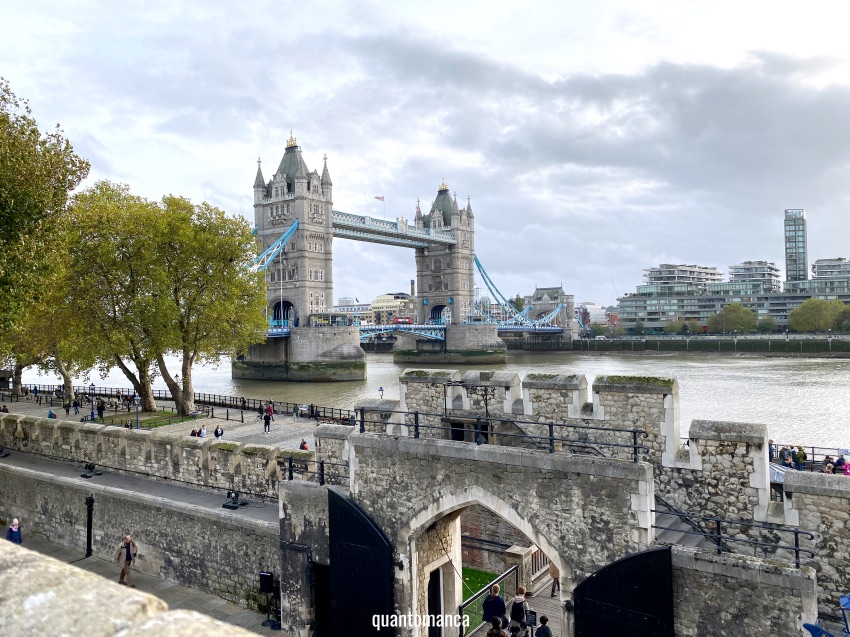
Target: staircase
(676, 529)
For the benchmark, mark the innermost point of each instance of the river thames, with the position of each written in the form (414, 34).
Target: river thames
(801, 400)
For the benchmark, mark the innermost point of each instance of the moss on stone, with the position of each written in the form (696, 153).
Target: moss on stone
(226, 446)
(295, 455)
(251, 450)
(645, 381)
(551, 376)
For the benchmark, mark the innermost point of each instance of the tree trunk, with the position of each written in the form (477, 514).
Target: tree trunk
(182, 393)
(17, 378)
(141, 383)
(65, 374)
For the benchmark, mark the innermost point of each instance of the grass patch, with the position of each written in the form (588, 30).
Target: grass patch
(225, 446)
(473, 581)
(648, 381)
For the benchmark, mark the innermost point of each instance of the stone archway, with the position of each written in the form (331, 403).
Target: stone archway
(441, 313)
(438, 517)
(283, 311)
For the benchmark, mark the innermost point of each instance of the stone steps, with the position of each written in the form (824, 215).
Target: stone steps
(676, 531)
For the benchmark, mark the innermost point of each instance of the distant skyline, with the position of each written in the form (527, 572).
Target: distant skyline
(594, 139)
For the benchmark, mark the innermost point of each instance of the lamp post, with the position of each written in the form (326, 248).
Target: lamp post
(136, 401)
(91, 397)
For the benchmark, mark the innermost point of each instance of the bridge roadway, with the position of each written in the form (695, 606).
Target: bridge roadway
(426, 330)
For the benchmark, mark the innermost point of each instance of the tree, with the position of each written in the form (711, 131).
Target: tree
(598, 329)
(618, 331)
(37, 172)
(733, 318)
(815, 315)
(768, 326)
(205, 300)
(519, 304)
(842, 321)
(639, 328)
(674, 327)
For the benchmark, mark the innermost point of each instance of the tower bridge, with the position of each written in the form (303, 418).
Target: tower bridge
(296, 223)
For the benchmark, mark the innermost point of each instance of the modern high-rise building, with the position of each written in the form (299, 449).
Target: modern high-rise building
(831, 269)
(796, 252)
(764, 274)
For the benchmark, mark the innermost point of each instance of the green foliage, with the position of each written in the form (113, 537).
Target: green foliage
(767, 326)
(733, 318)
(815, 315)
(674, 327)
(36, 174)
(618, 331)
(519, 304)
(649, 381)
(842, 321)
(639, 329)
(598, 329)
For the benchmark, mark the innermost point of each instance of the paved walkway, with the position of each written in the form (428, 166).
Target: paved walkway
(543, 604)
(177, 597)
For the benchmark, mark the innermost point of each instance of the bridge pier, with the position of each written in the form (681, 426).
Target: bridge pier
(315, 354)
(467, 344)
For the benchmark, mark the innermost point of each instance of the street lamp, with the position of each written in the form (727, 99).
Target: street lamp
(91, 397)
(137, 400)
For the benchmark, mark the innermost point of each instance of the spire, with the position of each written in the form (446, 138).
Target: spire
(326, 176)
(259, 182)
(443, 186)
(454, 204)
(292, 141)
(418, 210)
(301, 173)
(469, 206)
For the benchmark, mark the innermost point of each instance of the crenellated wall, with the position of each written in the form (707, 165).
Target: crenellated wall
(202, 462)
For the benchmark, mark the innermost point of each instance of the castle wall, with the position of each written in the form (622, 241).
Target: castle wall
(208, 550)
(203, 462)
(732, 595)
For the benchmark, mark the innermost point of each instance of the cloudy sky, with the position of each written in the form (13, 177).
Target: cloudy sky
(595, 139)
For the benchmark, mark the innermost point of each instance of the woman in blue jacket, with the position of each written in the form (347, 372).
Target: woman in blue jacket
(14, 532)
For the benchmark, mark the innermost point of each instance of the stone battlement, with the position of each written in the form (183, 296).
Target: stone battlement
(203, 462)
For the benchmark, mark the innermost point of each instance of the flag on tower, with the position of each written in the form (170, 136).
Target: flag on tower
(381, 198)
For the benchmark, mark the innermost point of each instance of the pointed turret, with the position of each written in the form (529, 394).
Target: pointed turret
(417, 220)
(326, 176)
(259, 182)
(469, 207)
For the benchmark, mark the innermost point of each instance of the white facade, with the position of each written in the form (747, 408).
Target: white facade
(831, 269)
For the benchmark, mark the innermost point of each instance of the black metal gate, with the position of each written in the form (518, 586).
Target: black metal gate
(632, 596)
(361, 571)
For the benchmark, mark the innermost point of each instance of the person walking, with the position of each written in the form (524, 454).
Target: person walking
(544, 630)
(76, 405)
(260, 411)
(518, 609)
(800, 460)
(218, 433)
(493, 606)
(267, 419)
(555, 574)
(13, 533)
(203, 432)
(67, 407)
(496, 628)
(125, 555)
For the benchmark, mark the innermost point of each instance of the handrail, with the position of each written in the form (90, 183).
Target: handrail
(478, 595)
(719, 537)
(324, 469)
(687, 519)
(480, 432)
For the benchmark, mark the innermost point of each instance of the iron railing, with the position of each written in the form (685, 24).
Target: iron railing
(322, 471)
(484, 429)
(723, 539)
(473, 605)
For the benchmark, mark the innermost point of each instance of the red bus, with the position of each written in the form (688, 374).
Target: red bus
(402, 320)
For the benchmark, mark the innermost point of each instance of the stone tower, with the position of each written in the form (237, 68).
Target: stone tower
(445, 274)
(301, 277)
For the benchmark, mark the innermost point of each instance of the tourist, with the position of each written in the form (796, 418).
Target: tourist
(270, 409)
(518, 609)
(544, 630)
(847, 468)
(242, 402)
(101, 407)
(303, 446)
(125, 555)
(839, 464)
(783, 453)
(218, 433)
(203, 432)
(801, 459)
(50, 414)
(555, 574)
(13, 533)
(4, 410)
(267, 418)
(771, 447)
(788, 463)
(194, 433)
(67, 407)
(76, 405)
(496, 628)
(260, 411)
(828, 468)
(493, 606)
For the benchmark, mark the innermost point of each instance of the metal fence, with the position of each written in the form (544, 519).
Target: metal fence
(485, 429)
(320, 471)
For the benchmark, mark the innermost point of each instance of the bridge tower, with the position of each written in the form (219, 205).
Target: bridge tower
(300, 279)
(444, 273)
